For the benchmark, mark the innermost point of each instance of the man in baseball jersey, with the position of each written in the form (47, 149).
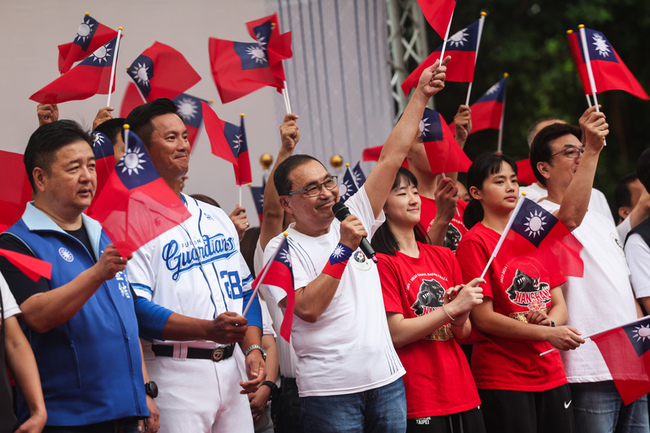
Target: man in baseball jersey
(196, 271)
(348, 373)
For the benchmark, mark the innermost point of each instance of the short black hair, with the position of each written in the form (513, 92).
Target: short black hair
(483, 167)
(541, 149)
(139, 119)
(643, 169)
(112, 128)
(286, 167)
(47, 140)
(622, 193)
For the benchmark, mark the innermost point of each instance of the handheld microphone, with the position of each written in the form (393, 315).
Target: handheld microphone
(341, 212)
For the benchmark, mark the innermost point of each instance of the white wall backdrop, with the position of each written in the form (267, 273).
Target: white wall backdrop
(338, 79)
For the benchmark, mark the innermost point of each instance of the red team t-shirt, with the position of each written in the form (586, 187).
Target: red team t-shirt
(438, 379)
(456, 229)
(515, 285)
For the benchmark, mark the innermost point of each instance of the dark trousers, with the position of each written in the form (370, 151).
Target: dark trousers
(285, 407)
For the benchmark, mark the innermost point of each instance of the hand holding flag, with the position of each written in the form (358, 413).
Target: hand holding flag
(278, 272)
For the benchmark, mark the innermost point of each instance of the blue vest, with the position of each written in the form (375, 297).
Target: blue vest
(91, 366)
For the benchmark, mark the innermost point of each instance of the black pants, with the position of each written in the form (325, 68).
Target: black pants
(470, 421)
(285, 407)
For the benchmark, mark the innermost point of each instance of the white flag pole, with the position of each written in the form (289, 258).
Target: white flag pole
(127, 131)
(444, 43)
(481, 21)
(590, 72)
(513, 214)
(503, 114)
(264, 272)
(600, 332)
(117, 48)
(287, 102)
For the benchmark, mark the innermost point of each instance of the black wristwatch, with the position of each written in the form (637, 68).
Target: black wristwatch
(271, 385)
(151, 389)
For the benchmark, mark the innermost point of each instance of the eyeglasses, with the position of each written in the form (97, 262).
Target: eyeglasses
(571, 152)
(315, 190)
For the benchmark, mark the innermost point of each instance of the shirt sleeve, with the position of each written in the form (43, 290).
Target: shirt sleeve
(472, 259)
(141, 274)
(637, 254)
(22, 287)
(623, 229)
(390, 284)
(9, 305)
(360, 206)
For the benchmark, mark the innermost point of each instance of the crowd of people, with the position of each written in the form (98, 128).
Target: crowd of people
(416, 339)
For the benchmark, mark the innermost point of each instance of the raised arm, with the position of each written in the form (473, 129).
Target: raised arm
(575, 201)
(446, 196)
(399, 141)
(272, 212)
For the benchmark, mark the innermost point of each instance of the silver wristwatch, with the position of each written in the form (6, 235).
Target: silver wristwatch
(258, 347)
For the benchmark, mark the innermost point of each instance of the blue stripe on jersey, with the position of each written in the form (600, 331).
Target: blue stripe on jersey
(144, 288)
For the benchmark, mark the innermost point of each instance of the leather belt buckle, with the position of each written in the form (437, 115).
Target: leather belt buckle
(217, 354)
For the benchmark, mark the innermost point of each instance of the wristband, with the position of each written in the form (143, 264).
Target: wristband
(451, 319)
(337, 261)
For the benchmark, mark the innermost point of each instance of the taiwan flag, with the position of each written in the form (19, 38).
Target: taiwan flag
(189, 108)
(359, 176)
(104, 159)
(525, 172)
(462, 47)
(131, 99)
(228, 141)
(88, 78)
(240, 68)
(278, 272)
(349, 186)
(443, 152)
(258, 199)
(16, 191)
(537, 233)
(438, 13)
(487, 111)
(90, 36)
(162, 72)
(609, 71)
(136, 204)
(625, 350)
(372, 154)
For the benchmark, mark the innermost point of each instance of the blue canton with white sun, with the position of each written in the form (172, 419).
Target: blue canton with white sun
(599, 47)
(639, 335)
(86, 32)
(533, 222)
(135, 168)
(102, 56)
(141, 70)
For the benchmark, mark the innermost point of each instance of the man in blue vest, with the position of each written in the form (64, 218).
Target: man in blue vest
(637, 244)
(81, 323)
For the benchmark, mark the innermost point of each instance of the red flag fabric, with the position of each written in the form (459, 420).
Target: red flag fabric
(228, 141)
(625, 350)
(525, 172)
(17, 190)
(278, 272)
(609, 71)
(372, 154)
(462, 47)
(240, 68)
(90, 36)
(487, 111)
(536, 233)
(136, 204)
(104, 159)
(30, 266)
(438, 13)
(443, 152)
(162, 72)
(131, 99)
(88, 78)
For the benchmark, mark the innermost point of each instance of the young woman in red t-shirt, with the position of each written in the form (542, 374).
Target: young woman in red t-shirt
(427, 311)
(521, 315)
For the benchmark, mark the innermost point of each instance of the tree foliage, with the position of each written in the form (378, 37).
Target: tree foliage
(527, 39)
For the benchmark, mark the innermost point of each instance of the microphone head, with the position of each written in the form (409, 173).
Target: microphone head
(340, 210)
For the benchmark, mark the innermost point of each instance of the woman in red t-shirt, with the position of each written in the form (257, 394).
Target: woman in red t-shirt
(427, 311)
(521, 315)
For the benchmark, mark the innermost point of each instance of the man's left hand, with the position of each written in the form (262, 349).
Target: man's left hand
(258, 400)
(153, 422)
(255, 371)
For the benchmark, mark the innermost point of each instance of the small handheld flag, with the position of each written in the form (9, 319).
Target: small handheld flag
(443, 152)
(90, 36)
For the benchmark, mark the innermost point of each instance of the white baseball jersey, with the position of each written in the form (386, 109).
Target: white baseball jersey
(194, 269)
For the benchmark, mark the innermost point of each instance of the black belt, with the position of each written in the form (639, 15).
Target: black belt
(216, 355)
